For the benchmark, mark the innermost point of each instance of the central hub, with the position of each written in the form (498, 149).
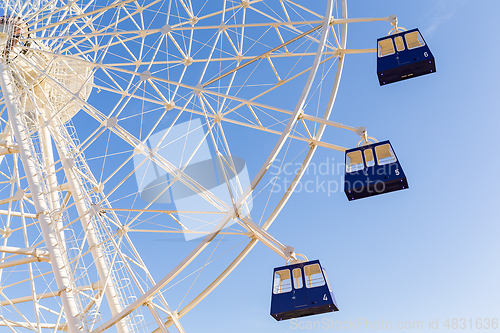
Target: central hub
(47, 82)
(11, 29)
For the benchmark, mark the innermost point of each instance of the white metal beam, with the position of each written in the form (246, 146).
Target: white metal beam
(93, 286)
(23, 261)
(56, 255)
(17, 214)
(29, 251)
(231, 213)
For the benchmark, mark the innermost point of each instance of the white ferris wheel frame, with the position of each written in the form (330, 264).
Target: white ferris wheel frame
(255, 232)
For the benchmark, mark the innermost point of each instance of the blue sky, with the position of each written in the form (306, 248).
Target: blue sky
(427, 253)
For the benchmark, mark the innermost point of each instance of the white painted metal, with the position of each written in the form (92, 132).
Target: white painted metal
(289, 190)
(94, 286)
(77, 192)
(53, 245)
(23, 261)
(61, 59)
(233, 211)
(30, 252)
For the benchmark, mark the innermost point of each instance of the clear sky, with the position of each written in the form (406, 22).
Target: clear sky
(424, 254)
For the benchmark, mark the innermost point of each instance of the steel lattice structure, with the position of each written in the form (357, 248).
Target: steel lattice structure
(86, 88)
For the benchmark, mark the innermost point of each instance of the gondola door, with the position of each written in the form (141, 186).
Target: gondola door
(403, 57)
(299, 294)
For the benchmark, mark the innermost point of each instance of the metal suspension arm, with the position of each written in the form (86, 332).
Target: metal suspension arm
(391, 18)
(285, 251)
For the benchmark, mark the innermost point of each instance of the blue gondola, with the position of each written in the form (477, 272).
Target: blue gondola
(371, 170)
(402, 56)
(301, 290)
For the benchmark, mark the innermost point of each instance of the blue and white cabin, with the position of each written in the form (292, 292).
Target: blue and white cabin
(301, 290)
(402, 56)
(371, 170)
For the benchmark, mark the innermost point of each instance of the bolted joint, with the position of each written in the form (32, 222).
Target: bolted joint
(197, 90)
(111, 122)
(251, 235)
(361, 131)
(99, 188)
(64, 289)
(239, 57)
(96, 209)
(289, 251)
(193, 20)
(165, 29)
(6, 232)
(123, 230)
(393, 19)
(170, 105)
(218, 118)
(188, 61)
(44, 212)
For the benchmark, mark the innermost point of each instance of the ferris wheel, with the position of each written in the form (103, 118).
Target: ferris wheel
(126, 121)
